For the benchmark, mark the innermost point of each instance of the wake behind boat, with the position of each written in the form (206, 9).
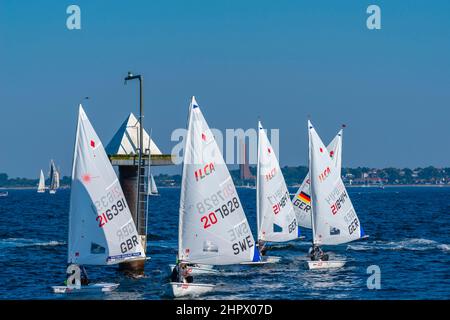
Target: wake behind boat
(101, 229)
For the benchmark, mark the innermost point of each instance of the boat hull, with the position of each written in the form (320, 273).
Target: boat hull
(317, 265)
(179, 289)
(96, 287)
(200, 269)
(265, 260)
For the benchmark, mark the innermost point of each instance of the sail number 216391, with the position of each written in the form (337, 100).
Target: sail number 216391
(110, 213)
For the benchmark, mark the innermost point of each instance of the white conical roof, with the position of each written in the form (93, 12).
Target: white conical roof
(125, 141)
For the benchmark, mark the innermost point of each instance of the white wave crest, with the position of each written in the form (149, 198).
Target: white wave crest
(22, 242)
(444, 247)
(414, 244)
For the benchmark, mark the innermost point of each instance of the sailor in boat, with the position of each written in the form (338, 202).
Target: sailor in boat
(317, 254)
(180, 273)
(262, 247)
(84, 277)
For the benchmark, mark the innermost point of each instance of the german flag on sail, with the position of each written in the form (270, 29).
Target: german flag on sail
(304, 197)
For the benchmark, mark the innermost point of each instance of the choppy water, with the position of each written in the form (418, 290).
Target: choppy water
(409, 232)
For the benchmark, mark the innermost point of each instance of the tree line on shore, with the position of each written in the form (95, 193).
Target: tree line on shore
(294, 176)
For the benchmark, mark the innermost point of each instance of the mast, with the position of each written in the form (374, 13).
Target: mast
(73, 179)
(183, 179)
(310, 182)
(51, 174)
(258, 183)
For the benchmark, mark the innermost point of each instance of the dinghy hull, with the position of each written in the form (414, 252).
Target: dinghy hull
(97, 287)
(179, 289)
(264, 260)
(200, 269)
(317, 265)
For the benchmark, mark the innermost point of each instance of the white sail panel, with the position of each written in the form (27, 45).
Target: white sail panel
(54, 177)
(335, 151)
(334, 220)
(302, 203)
(213, 228)
(41, 186)
(275, 212)
(153, 188)
(302, 198)
(101, 229)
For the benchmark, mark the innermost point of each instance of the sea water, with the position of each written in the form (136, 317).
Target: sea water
(409, 230)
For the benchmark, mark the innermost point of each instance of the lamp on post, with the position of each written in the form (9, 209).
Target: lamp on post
(140, 148)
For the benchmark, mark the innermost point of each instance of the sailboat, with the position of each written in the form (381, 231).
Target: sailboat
(275, 213)
(333, 219)
(302, 198)
(54, 178)
(101, 228)
(152, 190)
(41, 186)
(213, 228)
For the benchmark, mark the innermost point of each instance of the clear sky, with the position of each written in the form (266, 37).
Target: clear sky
(280, 60)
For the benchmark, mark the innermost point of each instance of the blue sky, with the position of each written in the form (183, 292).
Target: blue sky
(280, 60)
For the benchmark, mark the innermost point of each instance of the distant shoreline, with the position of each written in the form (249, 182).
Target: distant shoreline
(400, 185)
(29, 188)
(244, 186)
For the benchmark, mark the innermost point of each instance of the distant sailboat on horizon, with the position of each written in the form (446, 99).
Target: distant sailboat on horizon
(41, 185)
(152, 190)
(54, 178)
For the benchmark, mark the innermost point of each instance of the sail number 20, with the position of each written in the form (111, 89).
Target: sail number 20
(109, 214)
(211, 218)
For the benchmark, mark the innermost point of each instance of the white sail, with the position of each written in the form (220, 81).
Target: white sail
(302, 198)
(151, 186)
(41, 186)
(54, 177)
(213, 228)
(101, 229)
(275, 212)
(334, 220)
(153, 189)
(57, 179)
